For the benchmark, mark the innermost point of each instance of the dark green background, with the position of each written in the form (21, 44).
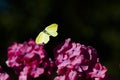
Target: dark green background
(90, 22)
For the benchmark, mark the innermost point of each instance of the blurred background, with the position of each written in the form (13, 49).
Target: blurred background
(90, 22)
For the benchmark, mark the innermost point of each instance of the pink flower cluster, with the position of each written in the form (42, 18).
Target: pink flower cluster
(78, 62)
(29, 60)
(3, 75)
(73, 61)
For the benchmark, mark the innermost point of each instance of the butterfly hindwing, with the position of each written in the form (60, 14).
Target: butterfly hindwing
(42, 38)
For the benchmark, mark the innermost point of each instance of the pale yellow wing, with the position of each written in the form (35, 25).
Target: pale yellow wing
(42, 38)
(52, 29)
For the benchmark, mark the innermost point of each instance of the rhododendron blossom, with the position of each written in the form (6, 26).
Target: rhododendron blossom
(76, 62)
(29, 59)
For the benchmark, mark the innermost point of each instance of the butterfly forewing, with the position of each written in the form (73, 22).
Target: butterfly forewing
(52, 29)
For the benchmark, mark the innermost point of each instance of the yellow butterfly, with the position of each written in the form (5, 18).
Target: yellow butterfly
(44, 36)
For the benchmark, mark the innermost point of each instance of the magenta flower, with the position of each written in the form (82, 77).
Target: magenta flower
(29, 59)
(3, 75)
(98, 72)
(72, 75)
(74, 61)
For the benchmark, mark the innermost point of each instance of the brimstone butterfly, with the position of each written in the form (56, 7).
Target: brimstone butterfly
(44, 36)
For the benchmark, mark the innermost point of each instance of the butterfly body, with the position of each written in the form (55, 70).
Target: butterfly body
(46, 32)
(44, 36)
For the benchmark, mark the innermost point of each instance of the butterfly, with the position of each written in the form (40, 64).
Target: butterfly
(44, 36)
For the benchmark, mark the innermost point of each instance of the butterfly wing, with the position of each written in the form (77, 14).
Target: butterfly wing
(52, 29)
(42, 38)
